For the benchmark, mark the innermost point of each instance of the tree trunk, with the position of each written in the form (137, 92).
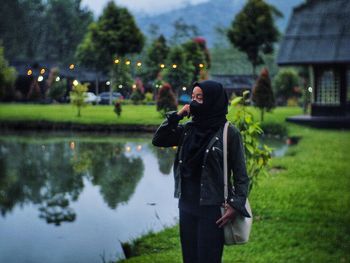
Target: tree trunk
(254, 70)
(97, 82)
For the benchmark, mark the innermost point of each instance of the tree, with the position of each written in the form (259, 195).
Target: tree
(65, 25)
(38, 29)
(78, 95)
(284, 84)
(183, 32)
(115, 34)
(156, 55)
(166, 100)
(262, 93)
(178, 72)
(121, 77)
(56, 87)
(196, 57)
(21, 28)
(253, 31)
(7, 78)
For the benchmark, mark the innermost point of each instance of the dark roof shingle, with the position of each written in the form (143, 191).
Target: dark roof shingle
(318, 32)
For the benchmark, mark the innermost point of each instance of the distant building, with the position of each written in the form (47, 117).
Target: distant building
(29, 70)
(318, 36)
(235, 83)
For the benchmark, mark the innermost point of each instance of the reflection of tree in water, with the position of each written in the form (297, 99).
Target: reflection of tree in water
(38, 174)
(57, 210)
(51, 175)
(114, 172)
(165, 157)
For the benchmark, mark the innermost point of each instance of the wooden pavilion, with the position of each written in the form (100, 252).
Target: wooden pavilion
(318, 36)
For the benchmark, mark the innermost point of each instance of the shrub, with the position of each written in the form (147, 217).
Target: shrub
(284, 85)
(118, 108)
(57, 89)
(137, 97)
(148, 98)
(166, 99)
(272, 128)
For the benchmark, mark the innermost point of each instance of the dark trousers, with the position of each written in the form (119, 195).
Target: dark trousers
(202, 241)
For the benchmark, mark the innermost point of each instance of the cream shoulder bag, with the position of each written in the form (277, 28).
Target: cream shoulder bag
(236, 232)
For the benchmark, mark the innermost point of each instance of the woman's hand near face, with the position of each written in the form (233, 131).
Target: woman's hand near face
(230, 214)
(185, 111)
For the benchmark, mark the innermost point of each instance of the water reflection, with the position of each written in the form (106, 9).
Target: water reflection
(165, 158)
(51, 175)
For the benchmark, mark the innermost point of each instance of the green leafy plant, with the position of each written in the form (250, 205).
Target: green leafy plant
(57, 89)
(148, 98)
(257, 156)
(78, 95)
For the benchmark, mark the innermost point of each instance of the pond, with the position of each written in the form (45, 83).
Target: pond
(73, 197)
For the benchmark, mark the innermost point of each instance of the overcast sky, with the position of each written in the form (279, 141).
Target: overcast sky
(146, 6)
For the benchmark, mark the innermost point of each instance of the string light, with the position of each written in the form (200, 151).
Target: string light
(116, 61)
(201, 65)
(162, 65)
(127, 62)
(40, 78)
(58, 78)
(174, 66)
(75, 82)
(42, 71)
(29, 72)
(71, 66)
(139, 64)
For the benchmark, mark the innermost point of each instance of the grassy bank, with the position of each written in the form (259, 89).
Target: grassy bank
(301, 210)
(103, 114)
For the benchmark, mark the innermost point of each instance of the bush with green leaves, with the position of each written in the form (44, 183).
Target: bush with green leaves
(137, 97)
(257, 156)
(148, 98)
(78, 95)
(285, 85)
(57, 89)
(166, 100)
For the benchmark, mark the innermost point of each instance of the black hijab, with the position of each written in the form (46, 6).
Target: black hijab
(207, 119)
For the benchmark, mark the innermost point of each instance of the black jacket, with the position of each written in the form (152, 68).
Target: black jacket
(171, 133)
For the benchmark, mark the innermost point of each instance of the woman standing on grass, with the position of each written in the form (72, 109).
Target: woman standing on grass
(198, 171)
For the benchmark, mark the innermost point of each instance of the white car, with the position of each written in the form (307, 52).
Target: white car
(92, 98)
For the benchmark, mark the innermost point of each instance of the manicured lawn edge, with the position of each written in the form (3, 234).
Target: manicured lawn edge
(71, 126)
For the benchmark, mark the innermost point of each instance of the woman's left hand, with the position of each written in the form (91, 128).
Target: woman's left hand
(230, 214)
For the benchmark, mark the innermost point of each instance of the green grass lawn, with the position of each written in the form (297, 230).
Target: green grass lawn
(104, 114)
(301, 210)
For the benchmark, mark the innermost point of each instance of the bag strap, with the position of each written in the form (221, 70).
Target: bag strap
(225, 161)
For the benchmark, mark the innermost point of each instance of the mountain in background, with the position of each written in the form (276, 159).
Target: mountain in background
(208, 17)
